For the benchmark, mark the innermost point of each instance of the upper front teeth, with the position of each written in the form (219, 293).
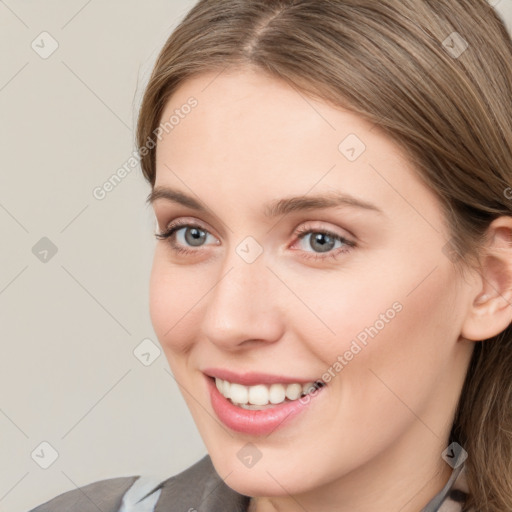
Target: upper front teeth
(262, 394)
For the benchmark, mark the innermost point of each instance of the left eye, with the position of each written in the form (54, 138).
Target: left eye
(322, 241)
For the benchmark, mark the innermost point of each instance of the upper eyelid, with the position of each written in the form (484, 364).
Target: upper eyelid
(223, 227)
(178, 224)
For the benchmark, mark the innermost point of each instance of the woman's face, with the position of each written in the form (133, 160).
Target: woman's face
(359, 292)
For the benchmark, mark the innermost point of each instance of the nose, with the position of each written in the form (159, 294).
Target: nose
(243, 306)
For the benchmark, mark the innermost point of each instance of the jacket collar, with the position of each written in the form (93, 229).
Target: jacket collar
(199, 488)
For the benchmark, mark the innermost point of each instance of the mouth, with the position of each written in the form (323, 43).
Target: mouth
(261, 407)
(261, 396)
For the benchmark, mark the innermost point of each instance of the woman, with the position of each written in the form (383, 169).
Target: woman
(332, 281)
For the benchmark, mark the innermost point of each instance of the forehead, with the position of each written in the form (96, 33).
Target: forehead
(257, 138)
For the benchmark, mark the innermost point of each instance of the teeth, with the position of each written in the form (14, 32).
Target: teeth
(238, 393)
(293, 391)
(256, 397)
(308, 387)
(226, 386)
(277, 393)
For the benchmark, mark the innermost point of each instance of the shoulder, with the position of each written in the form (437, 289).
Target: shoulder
(198, 487)
(105, 495)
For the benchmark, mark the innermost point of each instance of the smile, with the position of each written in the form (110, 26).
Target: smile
(258, 396)
(263, 403)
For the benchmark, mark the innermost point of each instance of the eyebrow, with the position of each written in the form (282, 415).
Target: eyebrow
(273, 208)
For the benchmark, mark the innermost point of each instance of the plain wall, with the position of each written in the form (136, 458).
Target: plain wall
(70, 321)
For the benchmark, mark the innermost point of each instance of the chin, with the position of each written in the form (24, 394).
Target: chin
(259, 483)
(268, 478)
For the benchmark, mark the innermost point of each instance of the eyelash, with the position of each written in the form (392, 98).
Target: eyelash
(299, 233)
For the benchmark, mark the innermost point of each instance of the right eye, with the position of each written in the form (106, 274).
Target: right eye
(182, 235)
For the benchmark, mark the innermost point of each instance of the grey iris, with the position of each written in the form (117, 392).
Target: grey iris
(325, 242)
(196, 238)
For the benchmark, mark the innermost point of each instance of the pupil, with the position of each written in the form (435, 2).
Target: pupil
(325, 242)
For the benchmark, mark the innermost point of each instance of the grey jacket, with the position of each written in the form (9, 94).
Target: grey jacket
(198, 489)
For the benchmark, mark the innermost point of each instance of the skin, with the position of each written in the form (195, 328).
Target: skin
(372, 439)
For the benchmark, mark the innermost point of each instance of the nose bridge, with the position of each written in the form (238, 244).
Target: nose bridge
(242, 306)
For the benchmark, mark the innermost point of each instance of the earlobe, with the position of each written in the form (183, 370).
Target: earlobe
(491, 309)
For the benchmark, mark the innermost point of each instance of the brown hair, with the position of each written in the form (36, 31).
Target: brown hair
(404, 66)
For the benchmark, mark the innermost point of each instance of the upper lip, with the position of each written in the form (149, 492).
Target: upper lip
(253, 378)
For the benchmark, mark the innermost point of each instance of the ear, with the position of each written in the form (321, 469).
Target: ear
(491, 309)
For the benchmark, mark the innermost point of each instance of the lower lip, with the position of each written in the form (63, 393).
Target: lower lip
(260, 422)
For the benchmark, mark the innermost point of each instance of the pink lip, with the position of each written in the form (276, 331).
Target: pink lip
(253, 378)
(257, 422)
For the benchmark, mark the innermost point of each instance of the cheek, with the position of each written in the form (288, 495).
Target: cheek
(172, 302)
(346, 309)
(405, 363)
(382, 324)
(380, 303)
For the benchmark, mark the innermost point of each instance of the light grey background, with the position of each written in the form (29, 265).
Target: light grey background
(70, 324)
